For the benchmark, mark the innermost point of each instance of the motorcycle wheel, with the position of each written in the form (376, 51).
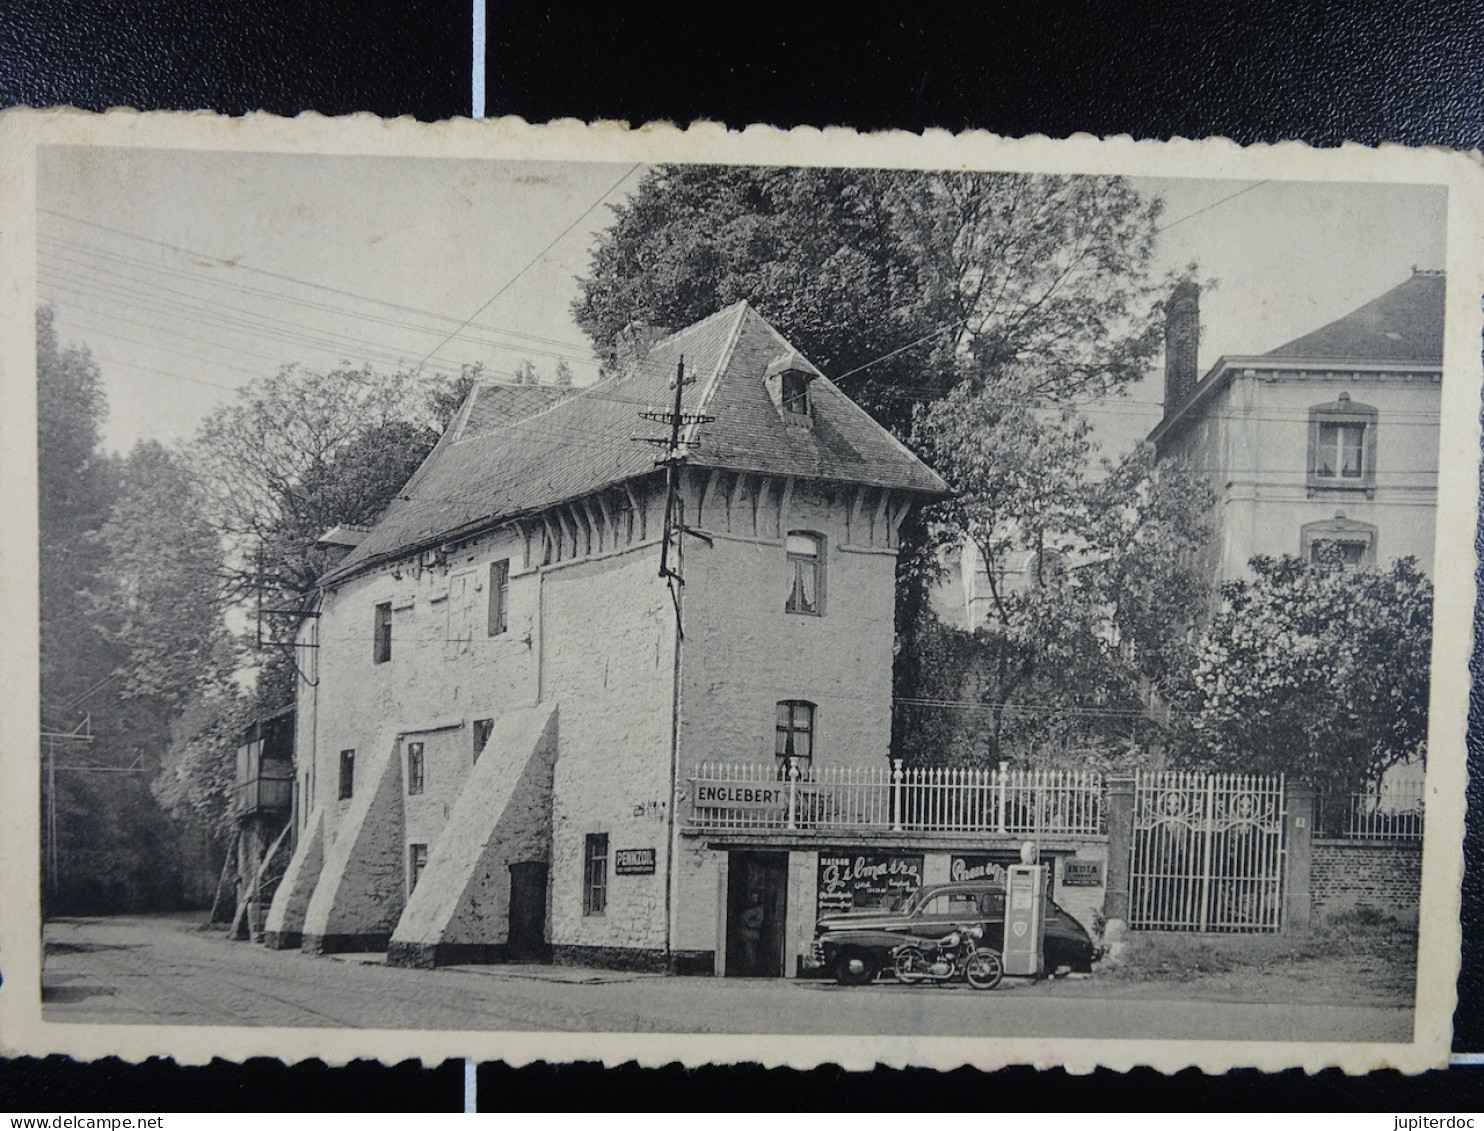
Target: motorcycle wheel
(911, 965)
(984, 970)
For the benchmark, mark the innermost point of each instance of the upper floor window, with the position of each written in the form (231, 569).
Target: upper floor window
(794, 730)
(499, 596)
(381, 647)
(806, 572)
(1342, 445)
(415, 765)
(347, 773)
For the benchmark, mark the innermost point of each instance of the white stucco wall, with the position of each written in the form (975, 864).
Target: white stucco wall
(1252, 442)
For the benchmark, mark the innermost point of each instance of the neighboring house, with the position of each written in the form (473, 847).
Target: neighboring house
(1328, 441)
(504, 703)
(1331, 439)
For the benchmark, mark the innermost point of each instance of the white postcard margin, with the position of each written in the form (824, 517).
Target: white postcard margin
(24, 1032)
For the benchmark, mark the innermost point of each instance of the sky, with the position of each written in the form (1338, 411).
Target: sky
(188, 274)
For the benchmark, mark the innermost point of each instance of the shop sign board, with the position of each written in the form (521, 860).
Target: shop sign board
(634, 862)
(1082, 873)
(740, 795)
(850, 881)
(990, 866)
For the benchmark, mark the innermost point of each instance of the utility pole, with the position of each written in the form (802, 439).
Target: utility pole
(675, 451)
(81, 735)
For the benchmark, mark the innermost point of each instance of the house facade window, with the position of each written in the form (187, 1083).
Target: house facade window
(806, 573)
(347, 774)
(415, 764)
(417, 860)
(381, 644)
(499, 596)
(595, 874)
(794, 731)
(1342, 446)
(483, 728)
(1339, 542)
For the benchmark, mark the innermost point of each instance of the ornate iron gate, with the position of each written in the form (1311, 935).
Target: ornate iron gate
(1207, 853)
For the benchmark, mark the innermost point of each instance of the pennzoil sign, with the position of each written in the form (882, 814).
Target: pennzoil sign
(634, 862)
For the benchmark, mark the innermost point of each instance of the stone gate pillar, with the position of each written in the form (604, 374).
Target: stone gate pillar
(1120, 815)
(1298, 860)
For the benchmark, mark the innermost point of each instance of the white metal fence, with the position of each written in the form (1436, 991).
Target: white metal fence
(1207, 852)
(1392, 812)
(775, 795)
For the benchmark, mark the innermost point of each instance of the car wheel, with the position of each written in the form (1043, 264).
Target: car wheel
(911, 965)
(856, 967)
(984, 970)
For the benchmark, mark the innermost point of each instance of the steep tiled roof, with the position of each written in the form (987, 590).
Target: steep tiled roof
(483, 472)
(494, 405)
(1404, 324)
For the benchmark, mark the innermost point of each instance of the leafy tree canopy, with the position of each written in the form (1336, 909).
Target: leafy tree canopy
(930, 278)
(1315, 671)
(1086, 599)
(300, 452)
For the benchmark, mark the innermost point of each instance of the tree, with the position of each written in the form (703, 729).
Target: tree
(1315, 671)
(900, 285)
(1090, 591)
(76, 486)
(128, 623)
(563, 377)
(158, 596)
(300, 452)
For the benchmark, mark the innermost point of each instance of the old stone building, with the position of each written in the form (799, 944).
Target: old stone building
(506, 708)
(1330, 439)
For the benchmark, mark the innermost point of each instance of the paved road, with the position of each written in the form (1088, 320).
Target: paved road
(159, 970)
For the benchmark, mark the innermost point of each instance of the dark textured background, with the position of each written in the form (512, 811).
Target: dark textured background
(1322, 72)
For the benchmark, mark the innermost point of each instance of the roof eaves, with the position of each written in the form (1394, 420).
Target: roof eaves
(1227, 365)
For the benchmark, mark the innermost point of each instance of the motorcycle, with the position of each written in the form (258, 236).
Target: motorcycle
(956, 955)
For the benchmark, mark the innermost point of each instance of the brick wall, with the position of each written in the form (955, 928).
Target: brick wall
(1384, 875)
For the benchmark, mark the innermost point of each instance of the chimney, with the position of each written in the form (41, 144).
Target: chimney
(1182, 343)
(633, 344)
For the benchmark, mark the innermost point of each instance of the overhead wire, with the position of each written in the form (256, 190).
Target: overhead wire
(538, 257)
(94, 278)
(238, 266)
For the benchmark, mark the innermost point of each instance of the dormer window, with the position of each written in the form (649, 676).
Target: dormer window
(796, 394)
(787, 381)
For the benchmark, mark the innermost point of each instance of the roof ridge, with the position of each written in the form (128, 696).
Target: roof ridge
(723, 362)
(722, 313)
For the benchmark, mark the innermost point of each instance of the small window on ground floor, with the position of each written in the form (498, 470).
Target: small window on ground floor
(483, 728)
(417, 860)
(595, 874)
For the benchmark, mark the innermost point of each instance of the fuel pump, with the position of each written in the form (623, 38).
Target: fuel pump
(1025, 916)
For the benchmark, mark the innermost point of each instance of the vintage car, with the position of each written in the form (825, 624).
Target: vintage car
(856, 946)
